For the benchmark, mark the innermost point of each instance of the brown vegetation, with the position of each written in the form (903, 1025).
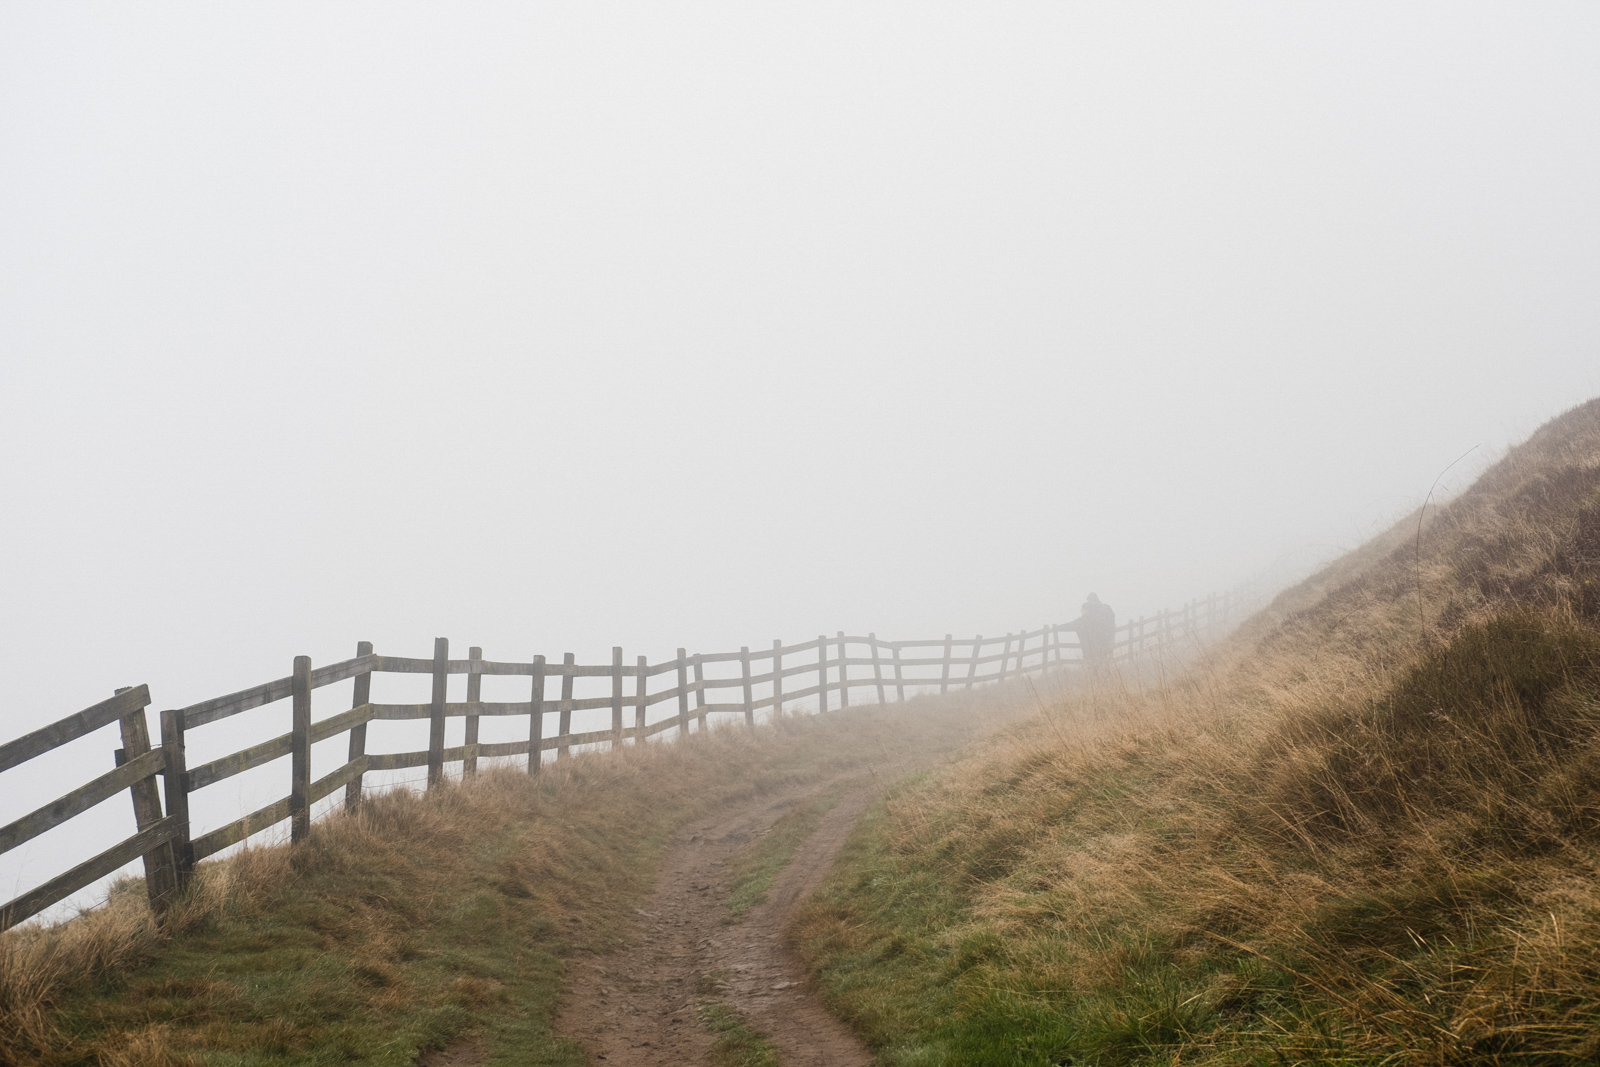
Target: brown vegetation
(1366, 830)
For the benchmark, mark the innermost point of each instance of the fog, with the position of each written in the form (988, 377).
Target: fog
(553, 328)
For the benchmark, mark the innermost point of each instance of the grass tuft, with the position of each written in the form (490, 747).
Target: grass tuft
(755, 870)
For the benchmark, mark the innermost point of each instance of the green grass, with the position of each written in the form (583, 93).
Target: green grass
(736, 1044)
(755, 870)
(371, 961)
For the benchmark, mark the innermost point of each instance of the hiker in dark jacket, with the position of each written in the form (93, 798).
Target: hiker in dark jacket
(1096, 628)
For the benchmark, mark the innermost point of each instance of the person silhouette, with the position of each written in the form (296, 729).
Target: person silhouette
(1096, 627)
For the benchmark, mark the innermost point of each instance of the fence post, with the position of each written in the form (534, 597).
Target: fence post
(360, 694)
(1052, 653)
(639, 697)
(944, 671)
(176, 779)
(899, 680)
(441, 682)
(877, 669)
(564, 723)
(700, 690)
(683, 694)
(469, 761)
(300, 752)
(844, 676)
(749, 706)
(972, 667)
(822, 673)
(160, 873)
(1005, 659)
(616, 696)
(536, 718)
(777, 677)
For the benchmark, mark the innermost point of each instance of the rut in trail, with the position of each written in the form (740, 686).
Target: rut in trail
(639, 1006)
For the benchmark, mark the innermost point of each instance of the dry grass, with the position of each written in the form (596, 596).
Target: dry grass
(1368, 830)
(417, 920)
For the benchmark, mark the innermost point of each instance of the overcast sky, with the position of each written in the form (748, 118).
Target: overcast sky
(553, 327)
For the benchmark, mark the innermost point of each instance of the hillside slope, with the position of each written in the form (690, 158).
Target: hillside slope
(1366, 830)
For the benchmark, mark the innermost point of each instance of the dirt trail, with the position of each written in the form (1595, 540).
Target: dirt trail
(639, 1006)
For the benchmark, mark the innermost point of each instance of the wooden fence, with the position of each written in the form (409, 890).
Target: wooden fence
(822, 668)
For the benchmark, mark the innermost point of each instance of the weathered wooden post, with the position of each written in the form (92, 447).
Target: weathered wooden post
(639, 699)
(777, 677)
(1005, 659)
(441, 684)
(683, 694)
(160, 872)
(469, 761)
(944, 671)
(616, 696)
(700, 690)
(844, 675)
(360, 694)
(536, 718)
(564, 721)
(822, 673)
(877, 669)
(899, 679)
(300, 751)
(176, 778)
(749, 703)
(972, 667)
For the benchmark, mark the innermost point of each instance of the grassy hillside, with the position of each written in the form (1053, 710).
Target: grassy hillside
(417, 921)
(1366, 831)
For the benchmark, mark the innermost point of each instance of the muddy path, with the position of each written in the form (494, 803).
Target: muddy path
(639, 1005)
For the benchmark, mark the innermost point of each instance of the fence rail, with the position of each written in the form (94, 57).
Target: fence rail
(162, 832)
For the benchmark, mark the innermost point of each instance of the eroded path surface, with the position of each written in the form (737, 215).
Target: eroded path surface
(639, 1006)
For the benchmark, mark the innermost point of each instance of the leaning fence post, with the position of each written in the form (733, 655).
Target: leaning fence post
(972, 667)
(683, 694)
(160, 872)
(700, 690)
(441, 682)
(899, 680)
(822, 673)
(877, 670)
(616, 696)
(844, 675)
(176, 778)
(944, 671)
(1005, 659)
(749, 704)
(300, 752)
(777, 677)
(536, 718)
(360, 694)
(639, 698)
(469, 759)
(564, 722)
